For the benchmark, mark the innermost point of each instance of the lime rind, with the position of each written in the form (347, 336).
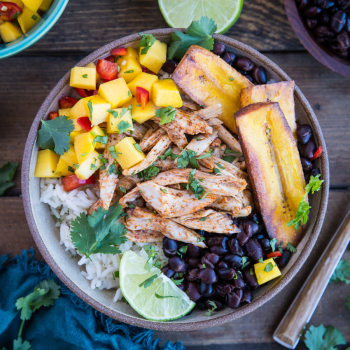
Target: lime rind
(144, 300)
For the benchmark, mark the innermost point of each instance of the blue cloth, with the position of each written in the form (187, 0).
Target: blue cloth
(70, 324)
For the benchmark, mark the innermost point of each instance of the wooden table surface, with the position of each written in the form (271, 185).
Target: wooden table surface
(26, 79)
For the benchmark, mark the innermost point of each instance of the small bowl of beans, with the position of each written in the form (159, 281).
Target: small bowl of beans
(323, 27)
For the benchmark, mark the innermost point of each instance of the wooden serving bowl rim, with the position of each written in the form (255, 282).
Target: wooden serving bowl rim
(173, 326)
(321, 53)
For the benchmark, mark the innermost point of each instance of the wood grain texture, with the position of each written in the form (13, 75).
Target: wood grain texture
(88, 25)
(256, 327)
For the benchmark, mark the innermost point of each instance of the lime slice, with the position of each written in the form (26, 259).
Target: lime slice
(181, 13)
(160, 301)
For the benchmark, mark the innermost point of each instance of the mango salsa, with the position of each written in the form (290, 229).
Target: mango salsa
(18, 3)
(27, 19)
(114, 120)
(96, 109)
(83, 78)
(88, 166)
(141, 115)
(74, 134)
(46, 164)
(45, 5)
(70, 157)
(92, 65)
(32, 4)
(78, 110)
(263, 276)
(165, 93)
(155, 56)
(116, 92)
(9, 32)
(131, 52)
(64, 111)
(129, 156)
(143, 80)
(83, 146)
(97, 131)
(62, 168)
(129, 69)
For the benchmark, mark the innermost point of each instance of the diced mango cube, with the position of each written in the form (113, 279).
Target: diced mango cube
(113, 121)
(62, 168)
(70, 157)
(44, 6)
(83, 78)
(155, 56)
(74, 134)
(165, 93)
(32, 4)
(9, 32)
(27, 19)
(129, 155)
(17, 2)
(88, 166)
(143, 80)
(77, 127)
(92, 65)
(131, 52)
(96, 109)
(78, 110)
(46, 163)
(129, 69)
(263, 276)
(97, 131)
(116, 92)
(64, 111)
(83, 146)
(141, 115)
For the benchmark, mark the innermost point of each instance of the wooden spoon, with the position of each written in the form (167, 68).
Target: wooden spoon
(298, 315)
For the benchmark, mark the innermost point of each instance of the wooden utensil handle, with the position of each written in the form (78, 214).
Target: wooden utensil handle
(298, 315)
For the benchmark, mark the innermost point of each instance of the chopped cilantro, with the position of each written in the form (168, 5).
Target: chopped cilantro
(203, 219)
(123, 126)
(114, 113)
(210, 311)
(220, 166)
(85, 76)
(245, 262)
(102, 159)
(7, 172)
(100, 139)
(229, 159)
(269, 267)
(71, 169)
(164, 296)
(123, 189)
(200, 239)
(129, 71)
(93, 167)
(146, 283)
(273, 244)
(113, 152)
(341, 273)
(177, 282)
(112, 169)
(129, 93)
(90, 109)
(146, 42)
(148, 173)
(163, 190)
(169, 153)
(166, 115)
(137, 147)
(291, 248)
(231, 79)
(230, 151)
(34, 18)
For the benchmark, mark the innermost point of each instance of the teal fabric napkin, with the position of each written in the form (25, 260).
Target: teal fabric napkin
(70, 324)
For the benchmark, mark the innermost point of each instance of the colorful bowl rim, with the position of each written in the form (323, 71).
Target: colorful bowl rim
(38, 34)
(173, 326)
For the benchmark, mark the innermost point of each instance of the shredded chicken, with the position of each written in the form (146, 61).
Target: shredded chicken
(201, 143)
(138, 132)
(230, 168)
(95, 206)
(144, 236)
(210, 112)
(130, 197)
(228, 138)
(170, 202)
(165, 164)
(151, 138)
(226, 203)
(190, 105)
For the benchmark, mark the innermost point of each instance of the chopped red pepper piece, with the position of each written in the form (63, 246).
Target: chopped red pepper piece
(120, 51)
(85, 123)
(317, 153)
(274, 255)
(67, 102)
(146, 70)
(110, 58)
(53, 115)
(142, 96)
(107, 70)
(86, 93)
(72, 182)
(12, 11)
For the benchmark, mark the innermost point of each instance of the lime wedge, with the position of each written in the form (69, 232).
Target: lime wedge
(181, 13)
(159, 301)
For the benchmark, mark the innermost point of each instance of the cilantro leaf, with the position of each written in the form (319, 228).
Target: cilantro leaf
(7, 172)
(123, 126)
(138, 147)
(198, 33)
(146, 283)
(177, 282)
(291, 248)
(230, 151)
(273, 244)
(166, 115)
(195, 186)
(113, 112)
(321, 338)
(314, 184)
(112, 169)
(210, 311)
(54, 134)
(169, 153)
(18, 344)
(229, 159)
(149, 173)
(146, 42)
(341, 273)
(100, 139)
(205, 155)
(113, 152)
(347, 304)
(269, 267)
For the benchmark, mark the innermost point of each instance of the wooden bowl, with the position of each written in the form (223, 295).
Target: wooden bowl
(46, 235)
(320, 52)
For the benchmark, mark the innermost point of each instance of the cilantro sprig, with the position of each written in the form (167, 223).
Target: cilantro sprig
(166, 115)
(7, 172)
(149, 173)
(341, 273)
(210, 311)
(321, 338)
(99, 233)
(146, 42)
(54, 134)
(194, 186)
(198, 33)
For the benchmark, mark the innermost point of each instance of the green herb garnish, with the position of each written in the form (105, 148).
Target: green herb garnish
(113, 152)
(100, 139)
(7, 172)
(146, 42)
(166, 115)
(268, 267)
(138, 147)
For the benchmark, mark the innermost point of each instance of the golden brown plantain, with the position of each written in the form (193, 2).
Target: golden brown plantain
(274, 167)
(282, 92)
(209, 80)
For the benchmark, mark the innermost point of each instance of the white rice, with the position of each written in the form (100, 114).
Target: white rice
(66, 206)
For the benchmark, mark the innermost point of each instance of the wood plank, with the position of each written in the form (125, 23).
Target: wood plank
(88, 25)
(25, 84)
(255, 327)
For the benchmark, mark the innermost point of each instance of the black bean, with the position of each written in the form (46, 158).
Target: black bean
(176, 263)
(226, 274)
(193, 291)
(250, 227)
(233, 260)
(218, 250)
(322, 32)
(239, 281)
(217, 240)
(224, 288)
(343, 54)
(284, 259)
(168, 254)
(344, 4)
(315, 172)
(254, 249)
(205, 289)
(308, 149)
(192, 275)
(304, 3)
(244, 64)
(213, 258)
(221, 265)
(169, 66)
(233, 300)
(247, 296)
(235, 222)
(228, 57)
(250, 78)
(168, 271)
(259, 75)
(306, 164)
(193, 262)
(338, 21)
(182, 285)
(170, 245)
(265, 244)
(311, 23)
(242, 238)
(218, 48)
(311, 11)
(326, 4)
(205, 263)
(208, 276)
(235, 248)
(347, 25)
(324, 18)
(194, 251)
(219, 305)
(304, 133)
(250, 278)
(343, 40)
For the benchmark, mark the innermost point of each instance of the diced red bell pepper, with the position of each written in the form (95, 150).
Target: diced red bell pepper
(317, 153)
(86, 93)
(107, 70)
(110, 58)
(274, 255)
(12, 11)
(146, 70)
(85, 123)
(120, 51)
(72, 182)
(142, 96)
(53, 115)
(67, 102)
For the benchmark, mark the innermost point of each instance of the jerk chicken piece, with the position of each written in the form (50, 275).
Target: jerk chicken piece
(144, 236)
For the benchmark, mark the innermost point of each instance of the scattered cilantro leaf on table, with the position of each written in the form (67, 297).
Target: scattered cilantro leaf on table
(341, 273)
(7, 172)
(54, 134)
(198, 33)
(19, 344)
(321, 338)
(166, 115)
